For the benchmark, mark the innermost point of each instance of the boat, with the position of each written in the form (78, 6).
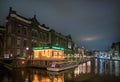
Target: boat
(53, 73)
(60, 66)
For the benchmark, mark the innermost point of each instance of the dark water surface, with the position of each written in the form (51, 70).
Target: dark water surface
(96, 70)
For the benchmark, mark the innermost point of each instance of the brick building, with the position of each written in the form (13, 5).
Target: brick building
(18, 35)
(2, 40)
(23, 36)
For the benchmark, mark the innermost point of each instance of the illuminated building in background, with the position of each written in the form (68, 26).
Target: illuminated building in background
(115, 49)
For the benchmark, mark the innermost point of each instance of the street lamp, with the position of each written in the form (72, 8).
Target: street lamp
(27, 48)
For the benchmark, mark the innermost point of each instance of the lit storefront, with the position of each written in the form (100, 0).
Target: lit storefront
(47, 52)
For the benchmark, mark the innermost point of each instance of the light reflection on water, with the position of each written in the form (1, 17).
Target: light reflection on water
(117, 68)
(84, 71)
(84, 68)
(107, 67)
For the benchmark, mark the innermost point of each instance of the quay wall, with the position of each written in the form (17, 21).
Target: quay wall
(20, 63)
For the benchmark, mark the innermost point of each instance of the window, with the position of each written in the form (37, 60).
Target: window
(24, 31)
(9, 41)
(40, 35)
(34, 43)
(9, 28)
(34, 32)
(18, 28)
(18, 42)
(18, 51)
(25, 43)
(69, 45)
(24, 53)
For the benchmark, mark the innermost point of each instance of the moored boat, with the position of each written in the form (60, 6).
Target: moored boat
(60, 66)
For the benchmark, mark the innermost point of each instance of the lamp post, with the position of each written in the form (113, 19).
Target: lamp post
(27, 48)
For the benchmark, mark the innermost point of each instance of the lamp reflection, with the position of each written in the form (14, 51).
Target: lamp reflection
(84, 68)
(56, 77)
(111, 67)
(101, 69)
(116, 68)
(96, 66)
(35, 78)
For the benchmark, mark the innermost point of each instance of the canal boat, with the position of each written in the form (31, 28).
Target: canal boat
(60, 66)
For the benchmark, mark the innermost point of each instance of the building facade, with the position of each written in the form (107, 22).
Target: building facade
(40, 39)
(115, 48)
(40, 34)
(27, 38)
(2, 40)
(18, 35)
(70, 46)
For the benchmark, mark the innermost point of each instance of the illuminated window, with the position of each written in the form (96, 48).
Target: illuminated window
(69, 45)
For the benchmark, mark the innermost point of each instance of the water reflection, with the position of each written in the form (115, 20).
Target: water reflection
(111, 67)
(116, 68)
(107, 67)
(96, 66)
(101, 66)
(56, 76)
(83, 71)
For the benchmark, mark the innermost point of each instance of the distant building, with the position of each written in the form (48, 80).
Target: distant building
(115, 48)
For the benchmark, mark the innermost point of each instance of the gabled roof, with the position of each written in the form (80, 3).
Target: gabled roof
(13, 13)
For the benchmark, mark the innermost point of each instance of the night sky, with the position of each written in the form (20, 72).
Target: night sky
(93, 24)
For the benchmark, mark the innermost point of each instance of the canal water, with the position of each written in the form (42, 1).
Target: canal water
(96, 70)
